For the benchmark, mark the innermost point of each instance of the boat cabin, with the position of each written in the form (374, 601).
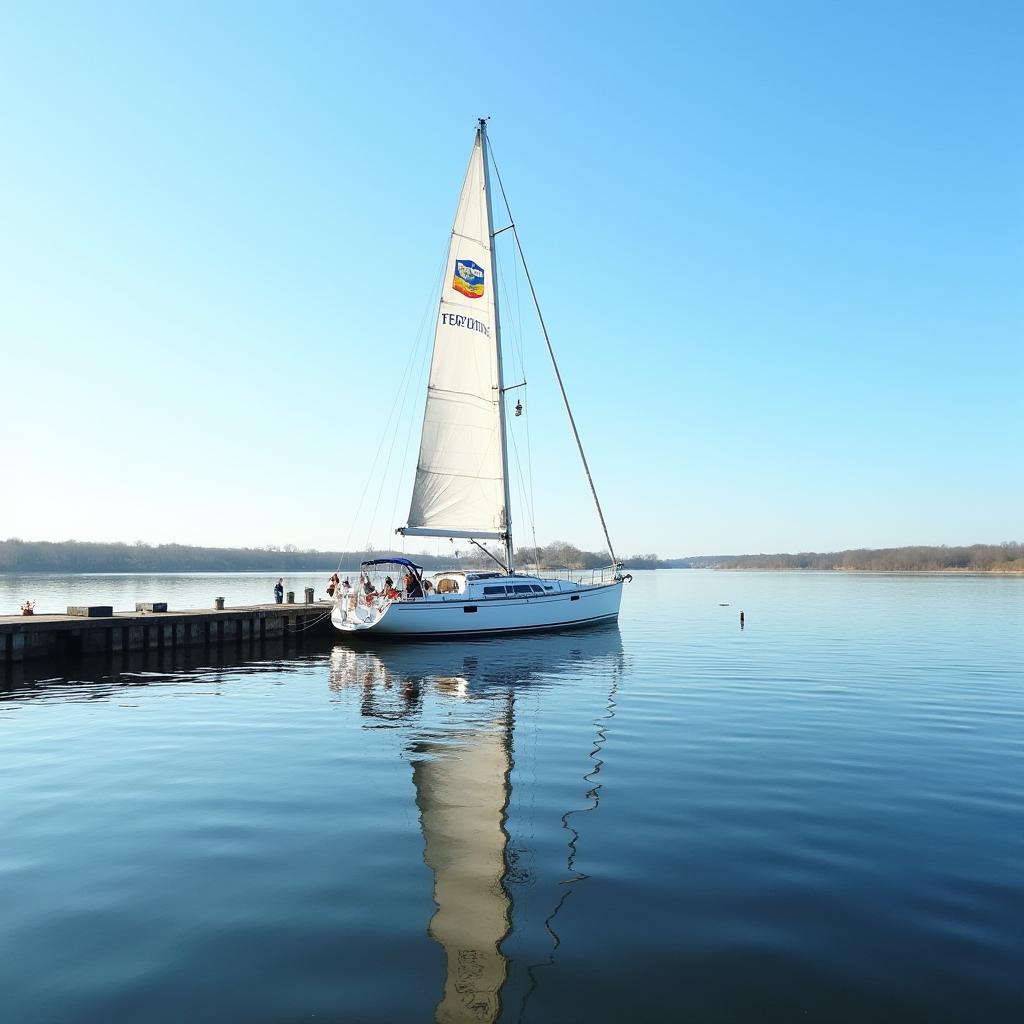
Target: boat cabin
(482, 586)
(399, 579)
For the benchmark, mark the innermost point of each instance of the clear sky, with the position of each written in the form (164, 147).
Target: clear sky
(779, 248)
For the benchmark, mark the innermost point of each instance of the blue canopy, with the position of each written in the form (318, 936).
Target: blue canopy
(391, 561)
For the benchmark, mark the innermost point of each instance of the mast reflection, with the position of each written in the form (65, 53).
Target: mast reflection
(463, 785)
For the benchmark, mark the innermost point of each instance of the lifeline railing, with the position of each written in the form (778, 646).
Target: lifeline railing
(592, 577)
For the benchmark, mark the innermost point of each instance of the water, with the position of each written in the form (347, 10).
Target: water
(52, 593)
(815, 818)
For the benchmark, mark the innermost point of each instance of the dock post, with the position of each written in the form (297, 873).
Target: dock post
(309, 595)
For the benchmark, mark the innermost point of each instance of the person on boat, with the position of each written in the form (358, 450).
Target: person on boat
(368, 589)
(279, 591)
(389, 590)
(28, 608)
(428, 588)
(332, 585)
(412, 586)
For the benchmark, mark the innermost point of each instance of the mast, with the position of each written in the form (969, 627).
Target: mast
(462, 486)
(482, 132)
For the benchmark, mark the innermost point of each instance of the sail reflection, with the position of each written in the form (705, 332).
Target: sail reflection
(463, 781)
(462, 789)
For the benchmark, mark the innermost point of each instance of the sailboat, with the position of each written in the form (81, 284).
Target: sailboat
(461, 489)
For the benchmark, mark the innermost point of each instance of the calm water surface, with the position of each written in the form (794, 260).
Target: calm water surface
(817, 818)
(52, 592)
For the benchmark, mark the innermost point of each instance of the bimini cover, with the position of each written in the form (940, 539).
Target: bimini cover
(391, 561)
(459, 481)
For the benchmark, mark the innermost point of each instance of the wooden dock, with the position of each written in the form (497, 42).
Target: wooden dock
(25, 637)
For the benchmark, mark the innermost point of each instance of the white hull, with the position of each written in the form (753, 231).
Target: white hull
(458, 615)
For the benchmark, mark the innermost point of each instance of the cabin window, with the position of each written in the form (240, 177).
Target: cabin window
(493, 591)
(470, 608)
(536, 589)
(549, 588)
(521, 589)
(575, 597)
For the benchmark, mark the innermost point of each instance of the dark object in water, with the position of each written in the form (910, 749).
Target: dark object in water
(721, 605)
(741, 620)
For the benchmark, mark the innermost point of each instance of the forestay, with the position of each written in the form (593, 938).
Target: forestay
(460, 487)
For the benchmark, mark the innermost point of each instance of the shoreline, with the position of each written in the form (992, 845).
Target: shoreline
(555, 569)
(874, 572)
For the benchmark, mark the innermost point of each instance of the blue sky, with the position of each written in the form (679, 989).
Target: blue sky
(779, 248)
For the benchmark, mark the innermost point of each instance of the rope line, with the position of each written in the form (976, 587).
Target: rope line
(308, 625)
(554, 362)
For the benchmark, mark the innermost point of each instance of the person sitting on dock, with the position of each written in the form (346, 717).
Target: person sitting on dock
(28, 608)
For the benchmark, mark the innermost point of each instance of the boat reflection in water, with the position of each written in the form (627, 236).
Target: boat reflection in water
(463, 781)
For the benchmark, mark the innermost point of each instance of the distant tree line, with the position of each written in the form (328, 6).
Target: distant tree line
(1007, 557)
(72, 556)
(560, 555)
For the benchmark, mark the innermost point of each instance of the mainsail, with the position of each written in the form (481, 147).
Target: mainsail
(460, 487)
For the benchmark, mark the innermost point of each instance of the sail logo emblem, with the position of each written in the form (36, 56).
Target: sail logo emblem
(468, 279)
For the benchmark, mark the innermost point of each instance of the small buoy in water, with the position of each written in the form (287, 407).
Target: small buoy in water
(741, 620)
(720, 605)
